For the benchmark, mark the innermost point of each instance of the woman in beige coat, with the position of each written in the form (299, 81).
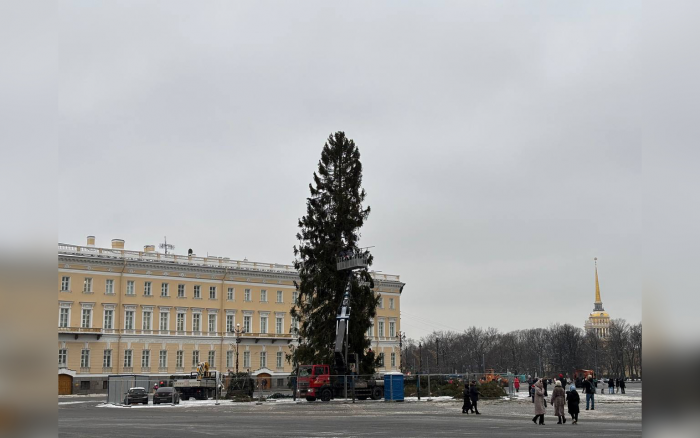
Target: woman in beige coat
(558, 401)
(539, 402)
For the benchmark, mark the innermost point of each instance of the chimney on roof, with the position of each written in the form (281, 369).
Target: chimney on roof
(117, 244)
(149, 248)
(91, 241)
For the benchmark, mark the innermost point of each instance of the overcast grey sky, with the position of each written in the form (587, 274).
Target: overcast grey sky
(500, 146)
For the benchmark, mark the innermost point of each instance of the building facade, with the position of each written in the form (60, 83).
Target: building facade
(598, 320)
(157, 314)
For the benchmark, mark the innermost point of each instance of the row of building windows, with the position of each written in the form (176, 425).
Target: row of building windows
(163, 358)
(380, 329)
(181, 290)
(180, 321)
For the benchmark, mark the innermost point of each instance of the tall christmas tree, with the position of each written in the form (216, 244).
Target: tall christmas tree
(334, 216)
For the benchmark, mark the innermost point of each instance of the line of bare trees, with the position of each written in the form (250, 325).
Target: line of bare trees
(539, 351)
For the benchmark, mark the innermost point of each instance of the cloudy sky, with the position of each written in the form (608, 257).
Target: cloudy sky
(500, 141)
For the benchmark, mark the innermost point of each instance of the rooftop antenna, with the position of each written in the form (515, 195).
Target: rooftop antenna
(165, 245)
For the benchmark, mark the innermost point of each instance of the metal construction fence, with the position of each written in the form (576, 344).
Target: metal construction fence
(119, 385)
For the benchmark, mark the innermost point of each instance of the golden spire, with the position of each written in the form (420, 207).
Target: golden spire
(597, 285)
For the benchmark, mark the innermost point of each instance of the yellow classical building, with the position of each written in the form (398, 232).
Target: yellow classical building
(599, 320)
(158, 314)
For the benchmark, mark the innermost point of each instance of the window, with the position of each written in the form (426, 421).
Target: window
(85, 358)
(163, 359)
(263, 324)
(381, 302)
(105, 384)
(246, 295)
(229, 359)
(230, 323)
(246, 359)
(85, 385)
(247, 322)
(147, 289)
(87, 318)
(212, 323)
(380, 329)
(129, 320)
(107, 359)
(109, 287)
(391, 303)
(196, 322)
(393, 360)
(180, 322)
(130, 287)
(263, 296)
(146, 358)
(62, 357)
(128, 358)
(280, 296)
(147, 320)
(164, 289)
(195, 358)
(198, 291)
(279, 325)
(87, 285)
(212, 358)
(380, 360)
(280, 355)
(370, 330)
(212, 292)
(295, 297)
(109, 319)
(63, 317)
(230, 294)
(181, 291)
(295, 325)
(392, 329)
(180, 359)
(263, 359)
(164, 317)
(65, 284)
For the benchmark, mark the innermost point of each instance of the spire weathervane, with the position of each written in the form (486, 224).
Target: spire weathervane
(598, 302)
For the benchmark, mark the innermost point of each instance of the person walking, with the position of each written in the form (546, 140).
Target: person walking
(573, 400)
(474, 396)
(516, 384)
(558, 401)
(623, 385)
(531, 387)
(544, 382)
(467, 405)
(589, 390)
(611, 385)
(540, 408)
(617, 384)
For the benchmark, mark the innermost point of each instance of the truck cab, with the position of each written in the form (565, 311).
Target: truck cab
(311, 379)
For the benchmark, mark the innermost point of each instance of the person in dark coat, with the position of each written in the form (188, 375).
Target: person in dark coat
(623, 385)
(467, 405)
(611, 385)
(558, 401)
(617, 384)
(474, 396)
(540, 409)
(544, 384)
(589, 390)
(573, 400)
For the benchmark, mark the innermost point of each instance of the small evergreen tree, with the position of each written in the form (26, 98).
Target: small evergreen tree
(334, 216)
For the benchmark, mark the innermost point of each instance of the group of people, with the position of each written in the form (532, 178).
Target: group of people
(559, 399)
(619, 383)
(471, 398)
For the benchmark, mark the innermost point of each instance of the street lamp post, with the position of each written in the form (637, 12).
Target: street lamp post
(238, 331)
(402, 337)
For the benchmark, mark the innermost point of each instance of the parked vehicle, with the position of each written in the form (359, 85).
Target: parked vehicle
(166, 394)
(136, 395)
(279, 395)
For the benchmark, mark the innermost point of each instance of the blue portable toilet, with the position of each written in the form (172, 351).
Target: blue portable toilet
(393, 386)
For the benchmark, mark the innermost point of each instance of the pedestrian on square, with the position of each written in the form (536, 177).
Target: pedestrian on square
(540, 409)
(467, 405)
(623, 385)
(531, 388)
(474, 396)
(544, 383)
(516, 383)
(611, 385)
(589, 390)
(558, 401)
(573, 400)
(617, 384)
